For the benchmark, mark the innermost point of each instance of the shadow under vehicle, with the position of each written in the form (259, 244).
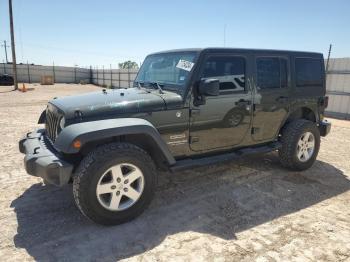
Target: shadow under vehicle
(220, 202)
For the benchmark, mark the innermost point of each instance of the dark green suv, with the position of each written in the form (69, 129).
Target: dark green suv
(187, 108)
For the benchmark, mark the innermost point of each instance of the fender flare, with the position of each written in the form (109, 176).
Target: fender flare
(95, 130)
(296, 109)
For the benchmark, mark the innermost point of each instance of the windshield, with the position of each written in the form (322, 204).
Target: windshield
(170, 70)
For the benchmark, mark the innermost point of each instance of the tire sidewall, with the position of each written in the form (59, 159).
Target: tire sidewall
(312, 128)
(88, 183)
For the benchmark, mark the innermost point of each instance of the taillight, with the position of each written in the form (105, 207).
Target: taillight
(324, 101)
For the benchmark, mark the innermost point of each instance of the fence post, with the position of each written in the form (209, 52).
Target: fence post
(119, 78)
(75, 74)
(91, 76)
(97, 75)
(110, 66)
(103, 75)
(28, 73)
(53, 71)
(128, 77)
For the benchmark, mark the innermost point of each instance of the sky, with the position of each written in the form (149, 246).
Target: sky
(106, 32)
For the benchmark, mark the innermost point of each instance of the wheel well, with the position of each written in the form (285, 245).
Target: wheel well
(143, 141)
(302, 113)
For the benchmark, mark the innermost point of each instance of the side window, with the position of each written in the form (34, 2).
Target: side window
(272, 72)
(308, 72)
(230, 71)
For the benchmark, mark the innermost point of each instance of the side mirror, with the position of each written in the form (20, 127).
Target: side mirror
(209, 87)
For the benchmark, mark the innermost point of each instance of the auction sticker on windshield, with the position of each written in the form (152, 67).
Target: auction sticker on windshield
(185, 65)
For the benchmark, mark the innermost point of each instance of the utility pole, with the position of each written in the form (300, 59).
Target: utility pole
(14, 65)
(5, 47)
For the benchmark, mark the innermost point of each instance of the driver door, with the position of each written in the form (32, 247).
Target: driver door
(222, 121)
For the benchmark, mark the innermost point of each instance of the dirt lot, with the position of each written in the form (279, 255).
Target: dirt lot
(248, 210)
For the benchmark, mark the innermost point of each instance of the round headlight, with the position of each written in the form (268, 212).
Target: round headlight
(62, 123)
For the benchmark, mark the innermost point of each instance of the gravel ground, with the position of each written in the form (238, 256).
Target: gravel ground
(251, 209)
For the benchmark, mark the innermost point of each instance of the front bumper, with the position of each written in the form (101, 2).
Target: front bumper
(42, 161)
(324, 127)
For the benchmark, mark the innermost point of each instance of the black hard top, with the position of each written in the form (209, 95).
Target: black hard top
(240, 50)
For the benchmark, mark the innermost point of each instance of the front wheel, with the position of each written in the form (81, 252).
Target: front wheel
(114, 183)
(300, 144)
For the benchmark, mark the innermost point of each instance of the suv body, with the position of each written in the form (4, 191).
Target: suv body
(187, 108)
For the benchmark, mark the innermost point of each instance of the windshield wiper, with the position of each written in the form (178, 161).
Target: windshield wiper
(139, 84)
(156, 84)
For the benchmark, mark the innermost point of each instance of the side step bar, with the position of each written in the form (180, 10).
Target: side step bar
(210, 160)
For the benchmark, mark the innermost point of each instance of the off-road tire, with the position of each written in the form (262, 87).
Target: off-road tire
(290, 136)
(92, 168)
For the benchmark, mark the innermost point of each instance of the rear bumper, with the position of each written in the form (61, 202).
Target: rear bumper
(40, 159)
(324, 127)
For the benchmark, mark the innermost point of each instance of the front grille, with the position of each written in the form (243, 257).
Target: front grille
(52, 124)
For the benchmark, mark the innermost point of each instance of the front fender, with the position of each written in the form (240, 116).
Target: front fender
(95, 130)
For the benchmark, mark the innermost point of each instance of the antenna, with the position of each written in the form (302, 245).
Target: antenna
(329, 55)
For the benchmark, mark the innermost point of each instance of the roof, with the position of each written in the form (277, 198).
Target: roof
(223, 49)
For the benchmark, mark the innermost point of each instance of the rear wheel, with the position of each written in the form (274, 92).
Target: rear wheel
(300, 144)
(114, 183)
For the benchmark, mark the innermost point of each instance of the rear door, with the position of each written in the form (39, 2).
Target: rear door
(272, 95)
(224, 120)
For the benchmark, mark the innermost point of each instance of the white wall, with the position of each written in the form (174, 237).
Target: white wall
(338, 88)
(33, 73)
(115, 78)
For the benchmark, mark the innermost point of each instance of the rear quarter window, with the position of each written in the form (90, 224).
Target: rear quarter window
(309, 72)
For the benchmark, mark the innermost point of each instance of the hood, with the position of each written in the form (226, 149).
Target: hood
(114, 102)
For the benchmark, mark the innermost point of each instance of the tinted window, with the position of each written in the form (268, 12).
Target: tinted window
(230, 71)
(308, 72)
(272, 72)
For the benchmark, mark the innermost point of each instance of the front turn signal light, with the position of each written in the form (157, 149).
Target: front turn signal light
(77, 144)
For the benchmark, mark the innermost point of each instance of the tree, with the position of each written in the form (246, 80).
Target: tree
(128, 65)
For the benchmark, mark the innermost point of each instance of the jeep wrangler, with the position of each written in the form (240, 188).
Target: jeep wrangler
(187, 108)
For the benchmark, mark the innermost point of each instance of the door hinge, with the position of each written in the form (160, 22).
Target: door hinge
(194, 139)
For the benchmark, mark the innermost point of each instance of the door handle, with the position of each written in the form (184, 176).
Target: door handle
(243, 102)
(282, 99)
